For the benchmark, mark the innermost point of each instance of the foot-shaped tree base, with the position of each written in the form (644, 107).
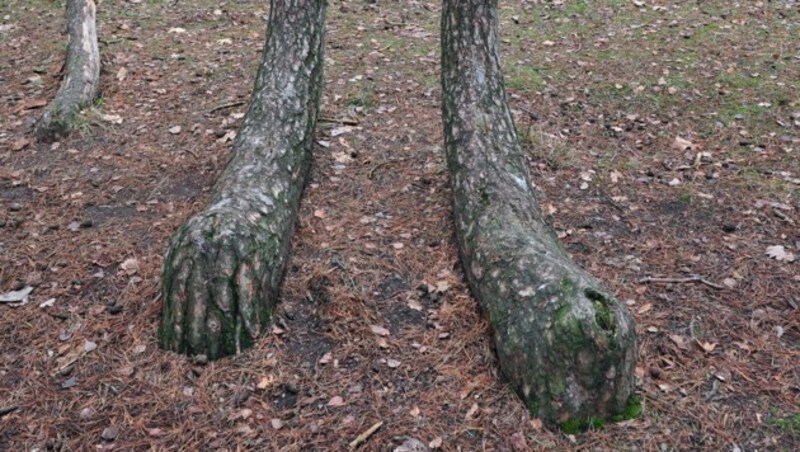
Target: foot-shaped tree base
(567, 347)
(224, 266)
(219, 284)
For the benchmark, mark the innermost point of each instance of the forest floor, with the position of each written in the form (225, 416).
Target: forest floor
(663, 137)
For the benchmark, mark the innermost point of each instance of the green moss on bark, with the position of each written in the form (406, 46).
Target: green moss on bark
(577, 425)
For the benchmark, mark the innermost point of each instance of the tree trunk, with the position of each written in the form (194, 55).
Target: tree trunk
(81, 81)
(224, 266)
(566, 345)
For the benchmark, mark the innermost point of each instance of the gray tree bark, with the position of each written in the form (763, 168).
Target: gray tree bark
(81, 82)
(224, 266)
(566, 345)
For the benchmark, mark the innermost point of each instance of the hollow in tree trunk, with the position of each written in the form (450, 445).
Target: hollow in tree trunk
(566, 345)
(224, 266)
(81, 82)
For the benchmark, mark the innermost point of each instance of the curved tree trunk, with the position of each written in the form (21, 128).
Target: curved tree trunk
(224, 266)
(81, 81)
(566, 345)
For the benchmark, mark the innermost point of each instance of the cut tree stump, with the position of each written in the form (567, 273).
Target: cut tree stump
(224, 266)
(81, 82)
(566, 345)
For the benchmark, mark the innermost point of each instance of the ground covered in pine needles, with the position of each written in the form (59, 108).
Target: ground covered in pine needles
(663, 137)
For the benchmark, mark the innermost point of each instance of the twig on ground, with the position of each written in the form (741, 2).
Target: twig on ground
(191, 152)
(783, 216)
(690, 279)
(365, 436)
(226, 106)
(381, 165)
(345, 121)
(7, 410)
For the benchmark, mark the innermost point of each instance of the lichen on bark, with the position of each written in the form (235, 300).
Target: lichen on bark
(81, 83)
(566, 345)
(224, 266)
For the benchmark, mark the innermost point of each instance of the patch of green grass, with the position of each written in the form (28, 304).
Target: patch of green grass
(83, 124)
(752, 178)
(685, 196)
(575, 7)
(677, 81)
(718, 8)
(730, 111)
(46, 4)
(739, 81)
(363, 97)
(631, 164)
(545, 149)
(789, 423)
(385, 40)
(706, 33)
(524, 78)
(606, 55)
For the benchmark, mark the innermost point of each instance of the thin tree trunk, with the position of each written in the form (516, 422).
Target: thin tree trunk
(81, 82)
(565, 344)
(223, 270)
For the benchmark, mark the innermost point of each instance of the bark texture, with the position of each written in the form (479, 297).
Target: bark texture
(567, 346)
(224, 266)
(81, 82)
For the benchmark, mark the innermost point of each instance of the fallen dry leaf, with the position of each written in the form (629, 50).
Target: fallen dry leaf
(472, 411)
(682, 144)
(708, 347)
(20, 144)
(130, 266)
(266, 382)
(679, 340)
(36, 103)
(113, 119)
(379, 330)
(326, 358)
(779, 253)
(89, 346)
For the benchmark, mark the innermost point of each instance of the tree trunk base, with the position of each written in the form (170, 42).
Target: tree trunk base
(223, 270)
(567, 347)
(220, 281)
(81, 82)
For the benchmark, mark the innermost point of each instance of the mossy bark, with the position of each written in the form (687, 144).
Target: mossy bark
(81, 82)
(566, 345)
(224, 266)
